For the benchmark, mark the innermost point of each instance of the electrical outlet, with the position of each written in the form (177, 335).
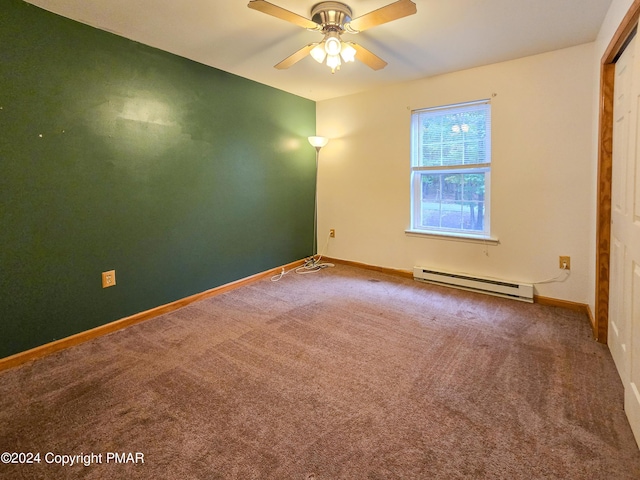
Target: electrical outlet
(565, 263)
(108, 278)
(332, 233)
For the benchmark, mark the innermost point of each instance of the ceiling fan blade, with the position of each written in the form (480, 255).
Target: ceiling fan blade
(393, 11)
(296, 57)
(368, 58)
(281, 13)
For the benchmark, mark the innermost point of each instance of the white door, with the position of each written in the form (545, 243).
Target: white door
(619, 325)
(624, 311)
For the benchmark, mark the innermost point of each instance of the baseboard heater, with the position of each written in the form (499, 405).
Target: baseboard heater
(491, 286)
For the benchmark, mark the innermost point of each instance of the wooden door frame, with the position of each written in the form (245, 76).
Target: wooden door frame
(605, 160)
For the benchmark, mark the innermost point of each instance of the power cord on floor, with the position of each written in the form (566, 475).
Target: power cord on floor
(310, 265)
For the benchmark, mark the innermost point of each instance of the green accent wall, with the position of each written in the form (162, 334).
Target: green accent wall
(115, 155)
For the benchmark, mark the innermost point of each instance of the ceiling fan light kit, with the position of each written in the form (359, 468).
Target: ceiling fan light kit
(332, 52)
(333, 19)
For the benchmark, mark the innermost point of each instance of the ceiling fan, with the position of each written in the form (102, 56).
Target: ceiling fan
(332, 19)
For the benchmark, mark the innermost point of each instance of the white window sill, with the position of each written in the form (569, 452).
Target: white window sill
(458, 237)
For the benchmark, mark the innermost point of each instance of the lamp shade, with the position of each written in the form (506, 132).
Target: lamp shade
(318, 53)
(333, 62)
(348, 53)
(318, 142)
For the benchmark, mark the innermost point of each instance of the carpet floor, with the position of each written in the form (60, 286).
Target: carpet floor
(343, 374)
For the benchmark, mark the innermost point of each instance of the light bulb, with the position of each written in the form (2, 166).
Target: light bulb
(332, 43)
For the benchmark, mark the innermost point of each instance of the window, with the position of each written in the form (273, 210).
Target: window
(451, 169)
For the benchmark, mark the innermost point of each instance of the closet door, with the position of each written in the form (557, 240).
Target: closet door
(624, 311)
(619, 324)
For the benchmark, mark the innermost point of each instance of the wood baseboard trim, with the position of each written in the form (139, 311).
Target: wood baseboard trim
(67, 342)
(552, 302)
(387, 270)
(555, 302)
(592, 318)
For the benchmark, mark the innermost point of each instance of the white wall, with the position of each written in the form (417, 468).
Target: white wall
(542, 200)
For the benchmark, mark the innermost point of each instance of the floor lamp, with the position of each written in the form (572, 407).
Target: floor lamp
(317, 143)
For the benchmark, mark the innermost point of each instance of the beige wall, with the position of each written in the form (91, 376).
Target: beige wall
(542, 202)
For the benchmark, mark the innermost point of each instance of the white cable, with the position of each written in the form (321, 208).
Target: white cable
(277, 277)
(311, 265)
(555, 279)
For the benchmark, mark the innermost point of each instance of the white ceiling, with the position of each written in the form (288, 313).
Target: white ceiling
(444, 36)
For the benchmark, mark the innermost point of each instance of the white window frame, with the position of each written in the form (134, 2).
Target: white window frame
(417, 170)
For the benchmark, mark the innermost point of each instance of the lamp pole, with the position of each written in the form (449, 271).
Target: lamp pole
(317, 143)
